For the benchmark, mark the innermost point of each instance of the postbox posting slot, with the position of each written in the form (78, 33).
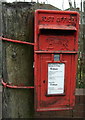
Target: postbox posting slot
(56, 32)
(48, 29)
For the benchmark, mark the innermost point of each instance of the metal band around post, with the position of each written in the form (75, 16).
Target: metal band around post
(14, 86)
(16, 41)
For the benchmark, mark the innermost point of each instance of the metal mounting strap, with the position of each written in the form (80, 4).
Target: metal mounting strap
(16, 41)
(14, 86)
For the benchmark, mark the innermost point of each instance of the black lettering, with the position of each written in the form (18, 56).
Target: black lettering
(53, 84)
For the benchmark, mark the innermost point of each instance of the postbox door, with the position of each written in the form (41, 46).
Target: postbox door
(56, 100)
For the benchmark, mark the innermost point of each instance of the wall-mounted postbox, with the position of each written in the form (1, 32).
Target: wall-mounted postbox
(55, 54)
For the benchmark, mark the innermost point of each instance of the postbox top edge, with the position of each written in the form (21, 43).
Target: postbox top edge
(55, 11)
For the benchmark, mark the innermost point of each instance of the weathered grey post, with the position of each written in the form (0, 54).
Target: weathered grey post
(18, 60)
(0, 40)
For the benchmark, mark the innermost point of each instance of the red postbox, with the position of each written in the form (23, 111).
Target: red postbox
(55, 54)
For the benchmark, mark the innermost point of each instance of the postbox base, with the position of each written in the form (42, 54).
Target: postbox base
(54, 109)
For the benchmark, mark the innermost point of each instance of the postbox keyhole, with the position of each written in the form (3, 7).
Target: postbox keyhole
(43, 81)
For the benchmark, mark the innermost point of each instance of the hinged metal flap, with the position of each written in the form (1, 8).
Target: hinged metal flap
(57, 27)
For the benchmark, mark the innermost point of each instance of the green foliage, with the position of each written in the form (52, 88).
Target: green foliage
(80, 74)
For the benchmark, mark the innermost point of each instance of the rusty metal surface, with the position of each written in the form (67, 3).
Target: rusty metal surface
(56, 32)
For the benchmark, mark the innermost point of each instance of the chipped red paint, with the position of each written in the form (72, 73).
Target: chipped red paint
(56, 32)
